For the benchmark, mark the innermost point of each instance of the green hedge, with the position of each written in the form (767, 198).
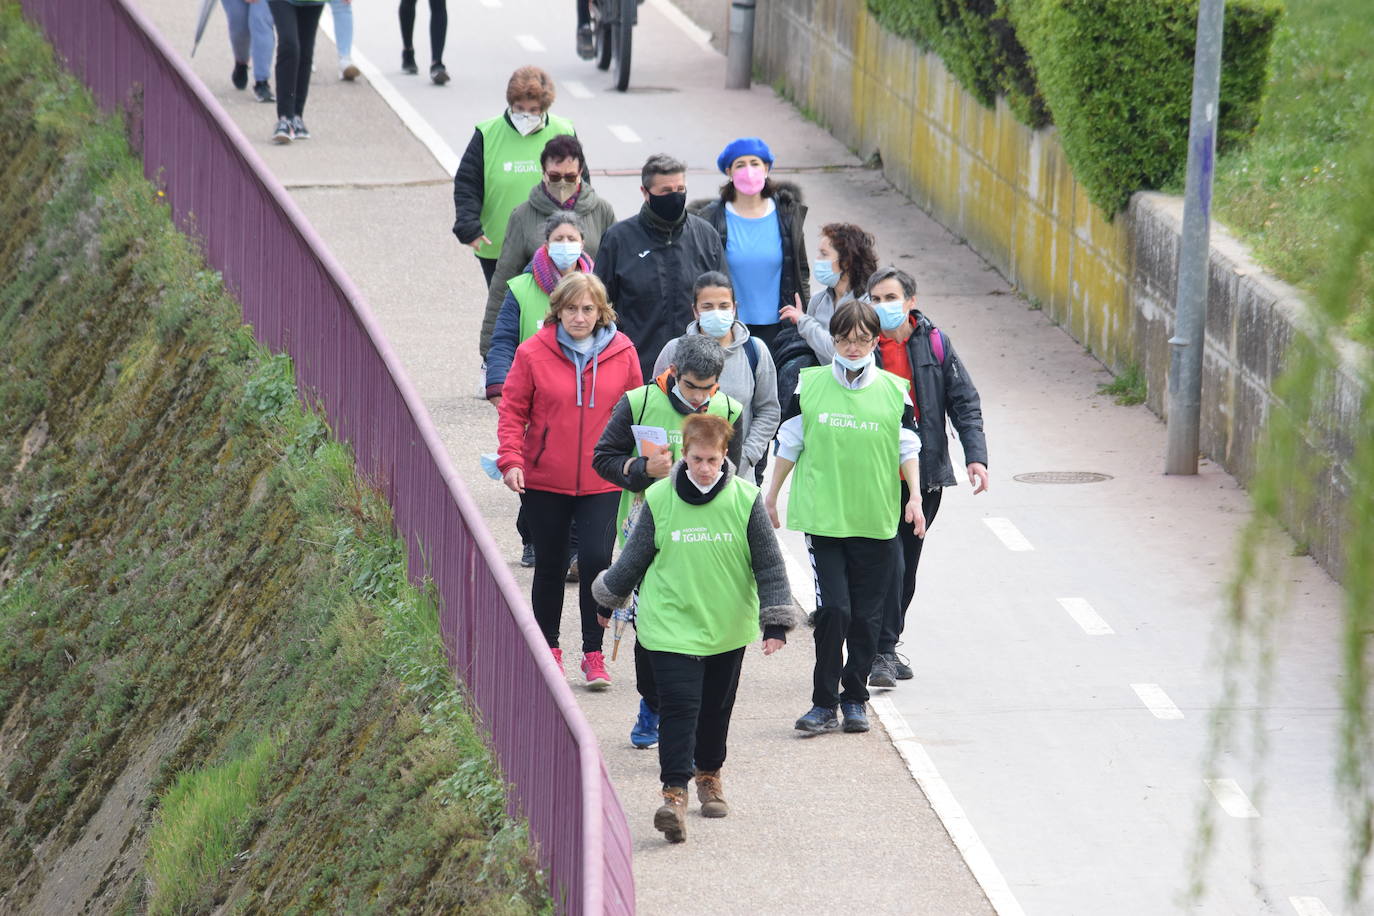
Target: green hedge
(1115, 76)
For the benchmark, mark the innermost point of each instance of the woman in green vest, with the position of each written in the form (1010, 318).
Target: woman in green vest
(527, 298)
(501, 164)
(710, 576)
(849, 430)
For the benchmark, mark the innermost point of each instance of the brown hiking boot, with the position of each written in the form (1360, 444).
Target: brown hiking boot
(671, 818)
(710, 794)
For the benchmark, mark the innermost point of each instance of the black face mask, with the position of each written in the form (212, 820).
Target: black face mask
(668, 207)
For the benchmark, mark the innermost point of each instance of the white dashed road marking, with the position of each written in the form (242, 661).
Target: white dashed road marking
(1008, 533)
(1232, 800)
(1083, 614)
(577, 90)
(530, 43)
(1157, 701)
(948, 809)
(1309, 906)
(623, 133)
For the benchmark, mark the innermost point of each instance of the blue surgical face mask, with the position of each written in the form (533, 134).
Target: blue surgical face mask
(565, 254)
(890, 314)
(855, 365)
(825, 274)
(717, 322)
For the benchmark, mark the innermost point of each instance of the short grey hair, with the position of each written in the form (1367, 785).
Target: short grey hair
(699, 355)
(563, 218)
(889, 272)
(659, 164)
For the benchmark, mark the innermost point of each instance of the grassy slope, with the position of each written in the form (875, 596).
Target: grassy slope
(194, 588)
(1288, 191)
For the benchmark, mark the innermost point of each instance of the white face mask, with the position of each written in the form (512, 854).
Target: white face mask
(855, 365)
(526, 123)
(706, 488)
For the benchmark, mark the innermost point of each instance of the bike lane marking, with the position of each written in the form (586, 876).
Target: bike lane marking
(1309, 906)
(1083, 614)
(1157, 701)
(1232, 798)
(623, 133)
(1008, 533)
(530, 43)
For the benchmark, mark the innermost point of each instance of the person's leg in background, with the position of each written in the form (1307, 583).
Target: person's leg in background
(644, 734)
(308, 25)
(554, 511)
(263, 36)
(342, 11)
(586, 46)
(407, 16)
(488, 268)
(288, 65)
(438, 34)
(236, 14)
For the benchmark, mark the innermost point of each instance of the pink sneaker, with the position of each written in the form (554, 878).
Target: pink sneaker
(594, 667)
(557, 657)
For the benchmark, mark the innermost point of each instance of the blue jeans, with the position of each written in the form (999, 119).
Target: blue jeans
(250, 32)
(343, 27)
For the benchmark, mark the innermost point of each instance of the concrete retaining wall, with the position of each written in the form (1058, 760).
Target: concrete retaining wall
(1009, 191)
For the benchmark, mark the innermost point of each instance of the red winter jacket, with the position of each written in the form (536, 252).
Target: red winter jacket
(550, 419)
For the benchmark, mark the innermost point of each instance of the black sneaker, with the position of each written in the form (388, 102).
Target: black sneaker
(438, 74)
(283, 133)
(263, 92)
(527, 556)
(855, 719)
(586, 44)
(882, 673)
(900, 667)
(299, 129)
(408, 63)
(240, 76)
(819, 719)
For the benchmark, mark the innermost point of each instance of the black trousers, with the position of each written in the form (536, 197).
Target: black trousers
(854, 579)
(550, 517)
(438, 27)
(296, 28)
(696, 699)
(488, 268)
(894, 615)
(645, 682)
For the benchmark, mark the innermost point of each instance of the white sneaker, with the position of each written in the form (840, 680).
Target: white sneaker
(347, 70)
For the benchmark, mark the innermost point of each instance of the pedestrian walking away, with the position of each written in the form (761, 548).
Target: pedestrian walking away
(297, 23)
(850, 428)
(650, 261)
(251, 36)
(438, 34)
(640, 445)
(501, 164)
(748, 376)
(557, 398)
(761, 224)
(712, 576)
(941, 391)
(342, 11)
(564, 187)
(526, 304)
(846, 257)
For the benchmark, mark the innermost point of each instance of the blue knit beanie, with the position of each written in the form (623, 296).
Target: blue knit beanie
(744, 146)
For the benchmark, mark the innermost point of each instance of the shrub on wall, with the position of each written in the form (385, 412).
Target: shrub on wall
(1115, 76)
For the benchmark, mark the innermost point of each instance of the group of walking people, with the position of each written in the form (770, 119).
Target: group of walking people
(257, 27)
(644, 369)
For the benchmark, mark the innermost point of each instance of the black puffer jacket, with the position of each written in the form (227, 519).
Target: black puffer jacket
(649, 272)
(796, 272)
(943, 389)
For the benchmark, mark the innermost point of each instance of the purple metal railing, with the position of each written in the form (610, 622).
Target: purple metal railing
(299, 300)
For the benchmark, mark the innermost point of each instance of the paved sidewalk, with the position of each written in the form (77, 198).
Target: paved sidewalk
(825, 826)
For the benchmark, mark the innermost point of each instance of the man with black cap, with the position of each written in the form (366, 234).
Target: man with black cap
(650, 261)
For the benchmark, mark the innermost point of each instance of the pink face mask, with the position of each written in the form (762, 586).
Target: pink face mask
(749, 180)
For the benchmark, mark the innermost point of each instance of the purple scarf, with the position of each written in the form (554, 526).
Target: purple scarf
(547, 274)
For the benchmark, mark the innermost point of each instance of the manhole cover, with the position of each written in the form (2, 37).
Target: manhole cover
(1062, 477)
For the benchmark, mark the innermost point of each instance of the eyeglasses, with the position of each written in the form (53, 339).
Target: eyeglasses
(555, 176)
(853, 341)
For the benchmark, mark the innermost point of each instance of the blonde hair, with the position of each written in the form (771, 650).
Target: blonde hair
(571, 287)
(706, 429)
(532, 83)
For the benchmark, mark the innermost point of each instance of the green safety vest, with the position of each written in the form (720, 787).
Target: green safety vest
(533, 302)
(846, 483)
(650, 406)
(510, 171)
(699, 595)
